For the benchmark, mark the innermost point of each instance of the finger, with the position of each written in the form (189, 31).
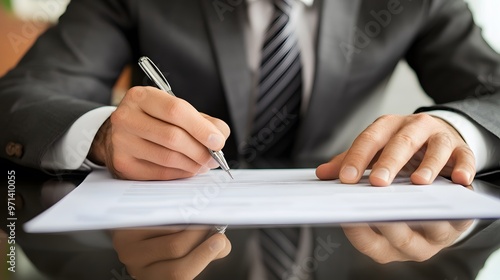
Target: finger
(439, 149)
(220, 124)
(410, 244)
(225, 252)
(179, 113)
(465, 166)
(190, 266)
(161, 133)
(330, 170)
(125, 236)
(398, 151)
(162, 248)
(366, 146)
(440, 233)
(368, 242)
(154, 153)
(461, 226)
(126, 167)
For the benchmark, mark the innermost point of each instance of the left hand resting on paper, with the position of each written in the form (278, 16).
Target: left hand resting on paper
(422, 145)
(399, 241)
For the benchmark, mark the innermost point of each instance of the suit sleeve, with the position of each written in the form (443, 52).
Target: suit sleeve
(69, 71)
(455, 66)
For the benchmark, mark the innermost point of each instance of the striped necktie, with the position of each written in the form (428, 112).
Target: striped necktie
(279, 248)
(276, 117)
(277, 107)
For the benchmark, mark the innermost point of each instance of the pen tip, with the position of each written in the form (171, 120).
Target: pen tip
(230, 175)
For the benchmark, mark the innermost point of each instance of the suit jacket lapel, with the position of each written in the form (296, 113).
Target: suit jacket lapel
(336, 31)
(226, 29)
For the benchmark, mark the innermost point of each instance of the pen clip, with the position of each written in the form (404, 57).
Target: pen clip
(154, 74)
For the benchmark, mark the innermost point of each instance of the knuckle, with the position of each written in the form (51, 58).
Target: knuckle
(172, 138)
(386, 118)
(462, 225)
(404, 243)
(370, 137)
(120, 164)
(469, 161)
(119, 116)
(423, 117)
(466, 151)
(166, 156)
(135, 94)
(176, 249)
(442, 237)
(431, 160)
(442, 140)
(175, 108)
(405, 140)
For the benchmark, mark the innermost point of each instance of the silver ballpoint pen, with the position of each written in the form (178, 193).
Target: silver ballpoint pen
(161, 82)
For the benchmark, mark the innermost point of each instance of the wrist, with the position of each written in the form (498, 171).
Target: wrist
(97, 153)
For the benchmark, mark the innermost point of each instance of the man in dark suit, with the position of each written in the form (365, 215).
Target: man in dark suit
(288, 77)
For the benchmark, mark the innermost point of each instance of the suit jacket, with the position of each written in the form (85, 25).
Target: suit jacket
(199, 45)
(73, 66)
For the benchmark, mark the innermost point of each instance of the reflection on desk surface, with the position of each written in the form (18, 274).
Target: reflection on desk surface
(90, 254)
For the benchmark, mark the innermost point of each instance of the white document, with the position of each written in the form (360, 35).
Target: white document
(255, 197)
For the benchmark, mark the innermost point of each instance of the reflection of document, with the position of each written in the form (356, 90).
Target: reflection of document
(255, 197)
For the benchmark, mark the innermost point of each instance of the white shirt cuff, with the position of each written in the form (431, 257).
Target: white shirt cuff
(71, 150)
(483, 144)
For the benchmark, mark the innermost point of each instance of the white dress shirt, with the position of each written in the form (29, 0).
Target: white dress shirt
(71, 150)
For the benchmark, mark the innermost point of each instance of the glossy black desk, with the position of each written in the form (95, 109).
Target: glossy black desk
(90, 254)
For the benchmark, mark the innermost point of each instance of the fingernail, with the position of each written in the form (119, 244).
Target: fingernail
(203, 170)
(217, 245)
(382, 173)
(212, 163)
(215, 140)
(425, 173)
(349, 173)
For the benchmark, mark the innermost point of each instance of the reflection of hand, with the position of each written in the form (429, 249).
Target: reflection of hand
(392, 143)
(399, 241)
(168, 253)
(155, 136)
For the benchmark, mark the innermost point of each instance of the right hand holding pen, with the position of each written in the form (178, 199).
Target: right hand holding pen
(167, 253)
(155, 136)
